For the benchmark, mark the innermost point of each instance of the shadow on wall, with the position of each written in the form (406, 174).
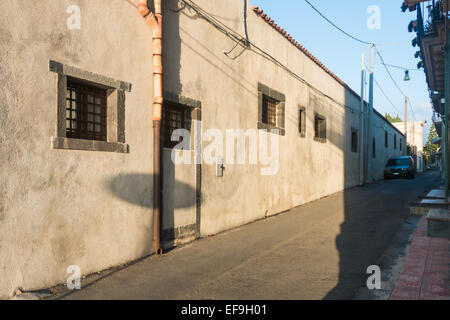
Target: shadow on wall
(137, 189)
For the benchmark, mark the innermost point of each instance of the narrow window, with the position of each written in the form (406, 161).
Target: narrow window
(269, 111)
(85, 111)
(401, 146)
(354, 140)
(395, 141)
(302, 121)
(320, 128)
(175, 116)
(385, 139)
(374, 148)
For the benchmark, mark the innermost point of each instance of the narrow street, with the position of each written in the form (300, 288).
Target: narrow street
(318, 251)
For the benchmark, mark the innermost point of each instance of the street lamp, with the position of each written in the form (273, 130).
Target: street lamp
(407, 77)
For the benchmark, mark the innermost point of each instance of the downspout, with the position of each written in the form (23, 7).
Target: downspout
(154, 20)
(247, 43)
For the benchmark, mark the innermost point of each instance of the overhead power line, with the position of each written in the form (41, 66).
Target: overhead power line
(254, 48)
(398, 67)
(334, 25)
(385, 95)
(389, 73)
(378, 53)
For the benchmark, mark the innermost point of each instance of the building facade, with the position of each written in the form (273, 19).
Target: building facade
(76, 134)
(414, 138)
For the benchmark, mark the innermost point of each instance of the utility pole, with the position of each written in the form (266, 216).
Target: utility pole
(369, 118)
(406, 124)
(447, 108)
(361, 121)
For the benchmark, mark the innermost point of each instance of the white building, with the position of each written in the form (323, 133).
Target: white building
(414, 139)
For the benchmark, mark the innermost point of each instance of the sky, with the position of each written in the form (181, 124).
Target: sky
(342, 55)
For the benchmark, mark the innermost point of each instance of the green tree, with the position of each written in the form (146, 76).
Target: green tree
(392, 119)
(431, 148)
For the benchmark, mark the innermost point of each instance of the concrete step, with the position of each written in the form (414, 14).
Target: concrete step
(439, 223)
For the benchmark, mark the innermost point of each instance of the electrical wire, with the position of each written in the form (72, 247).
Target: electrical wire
(389, 73)
(395, 82)
(253, 47)
(334, 25)
(385, 95)
(378, 52)
(398, 67)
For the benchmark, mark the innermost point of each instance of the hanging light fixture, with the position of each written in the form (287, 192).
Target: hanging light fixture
(407, 77)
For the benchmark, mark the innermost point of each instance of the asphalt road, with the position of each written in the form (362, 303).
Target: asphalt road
(318, 251)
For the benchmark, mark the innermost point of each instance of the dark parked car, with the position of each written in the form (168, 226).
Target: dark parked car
(400, 167)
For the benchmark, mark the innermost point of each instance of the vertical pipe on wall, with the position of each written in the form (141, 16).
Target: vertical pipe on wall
(361, 121)
(369, 118)
(245, 23)
(154, 20)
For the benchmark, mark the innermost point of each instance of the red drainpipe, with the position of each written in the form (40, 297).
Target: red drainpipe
(154, 20)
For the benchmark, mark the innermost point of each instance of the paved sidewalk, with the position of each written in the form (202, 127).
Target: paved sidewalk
(425, 274)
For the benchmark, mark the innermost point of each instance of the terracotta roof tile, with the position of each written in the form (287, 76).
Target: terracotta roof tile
(271, 22)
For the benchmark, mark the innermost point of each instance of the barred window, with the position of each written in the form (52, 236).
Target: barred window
(320, 128)
(175, 116)
(269, 111)
(85, 111)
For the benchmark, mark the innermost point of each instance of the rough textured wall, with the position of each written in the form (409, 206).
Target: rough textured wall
(93, 209)
(64, 207)
(228, 90)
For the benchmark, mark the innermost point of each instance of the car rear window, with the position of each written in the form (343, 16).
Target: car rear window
(398, 162)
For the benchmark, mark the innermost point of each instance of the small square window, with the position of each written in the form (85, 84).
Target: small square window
(320, 128)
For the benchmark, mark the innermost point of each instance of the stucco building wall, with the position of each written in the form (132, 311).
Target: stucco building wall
(67, 207)
(93, 208)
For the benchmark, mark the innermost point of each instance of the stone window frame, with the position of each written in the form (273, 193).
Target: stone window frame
(322, 117)
(195, 113)
(116, 92)
(281, 109)
(302, 121)
(354, 144)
